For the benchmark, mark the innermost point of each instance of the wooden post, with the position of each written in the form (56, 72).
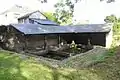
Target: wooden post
(59, 40)
(45, 42)
(25, 47)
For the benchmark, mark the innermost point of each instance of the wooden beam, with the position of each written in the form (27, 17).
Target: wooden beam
(59, 40)
(45, 42)
(25, 47)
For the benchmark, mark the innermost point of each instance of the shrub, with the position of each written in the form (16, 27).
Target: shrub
(51, 16)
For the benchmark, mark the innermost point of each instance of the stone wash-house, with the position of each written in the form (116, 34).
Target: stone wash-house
(20, 37)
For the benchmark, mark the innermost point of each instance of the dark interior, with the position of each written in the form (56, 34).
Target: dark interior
(82, 38)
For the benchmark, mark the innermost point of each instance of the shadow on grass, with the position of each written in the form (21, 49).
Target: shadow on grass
(10, 68)
(76, 75)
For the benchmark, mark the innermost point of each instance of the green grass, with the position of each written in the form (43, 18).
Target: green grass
(15, 67)
(12, 67)
(88, 59)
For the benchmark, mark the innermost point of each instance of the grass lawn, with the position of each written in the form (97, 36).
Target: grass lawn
(15, 67)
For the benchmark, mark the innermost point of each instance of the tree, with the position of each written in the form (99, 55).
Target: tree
(50, 16)
(43, 1)
(111, 19)
(64, 11)
(109, 1)
(65, 8)
(116, 23)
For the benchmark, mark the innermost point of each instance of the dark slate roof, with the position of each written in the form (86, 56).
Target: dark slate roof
(39, 29)
(46, 29)
(90, 28)
(45, 21)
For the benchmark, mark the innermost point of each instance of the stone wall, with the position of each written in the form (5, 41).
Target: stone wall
(33, 41)
(52, 40)
(14, 40)
(109, 38)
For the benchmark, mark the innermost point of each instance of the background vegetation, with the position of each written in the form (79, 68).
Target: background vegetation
(116, 28)
(64, 10)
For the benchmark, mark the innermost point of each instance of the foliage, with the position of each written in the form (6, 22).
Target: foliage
(109, 1)
(116, 23)
(116, 29)
(64, 11)
(116, 33)
(50, 16)
(110, 19)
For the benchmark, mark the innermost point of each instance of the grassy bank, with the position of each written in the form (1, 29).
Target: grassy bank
(16, 67)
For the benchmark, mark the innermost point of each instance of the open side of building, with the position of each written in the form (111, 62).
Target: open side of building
(20, 37)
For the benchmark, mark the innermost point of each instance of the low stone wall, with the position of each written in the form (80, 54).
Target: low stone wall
(85, 59)
(79, 60)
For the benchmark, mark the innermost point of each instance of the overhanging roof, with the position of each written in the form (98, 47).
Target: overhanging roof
(39, 29)
(47, 29)
(90, 28)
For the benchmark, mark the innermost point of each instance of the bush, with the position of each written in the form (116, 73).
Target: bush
(51, 16)
(116, 28)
